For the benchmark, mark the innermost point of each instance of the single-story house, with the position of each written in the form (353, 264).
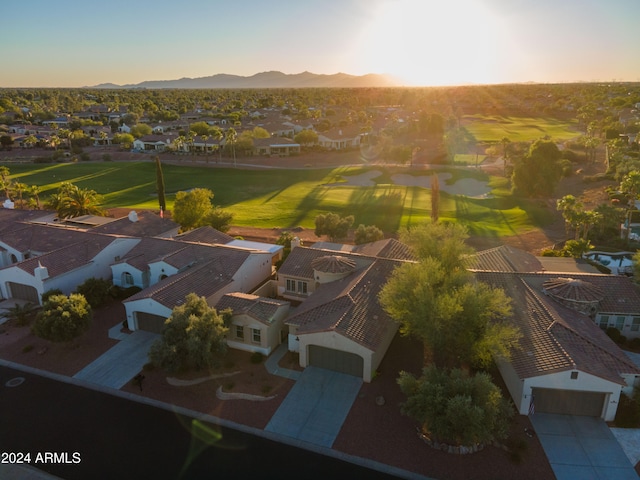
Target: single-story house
(566, 364)
(338, 323)
(63, 268)
(257, 323)
(168, 270)
(158, 143)
(340, 138)
(279, 146)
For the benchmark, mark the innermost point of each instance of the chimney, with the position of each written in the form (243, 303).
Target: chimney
(295, 242)
(40, 272)
(8, 204)
(133, 216)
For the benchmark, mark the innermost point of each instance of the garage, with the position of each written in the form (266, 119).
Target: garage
(569, 402)
(150, 322)
(23, 292)
(336, 360)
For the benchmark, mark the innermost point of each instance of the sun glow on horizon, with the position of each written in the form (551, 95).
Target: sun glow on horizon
(424, 42)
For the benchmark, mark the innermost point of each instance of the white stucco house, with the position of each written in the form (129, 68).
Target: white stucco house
(64, 268)
(168, 270)
(566, 364)
(339, 324)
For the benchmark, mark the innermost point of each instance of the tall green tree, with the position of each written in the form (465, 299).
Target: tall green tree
(367, 234)
(231, 138)
(460, 321)
(193, 337)
(630, 187)
(333, 225)
(194, 209)
(537, 173)
(162, 203)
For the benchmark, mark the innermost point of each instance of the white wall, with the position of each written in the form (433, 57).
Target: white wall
(255, 270)
(585, 382)
(337, 342)
(144, 305)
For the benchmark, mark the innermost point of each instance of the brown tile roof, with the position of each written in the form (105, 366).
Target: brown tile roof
(298, 263)
(349, 307)
(555, 338)
(41, 238)
(150, 250)
(204, 278)
(504, 259)
(148, 224)
(261, 308)
(620, 294)
(69, 257)
(205, 235)
(333, 264)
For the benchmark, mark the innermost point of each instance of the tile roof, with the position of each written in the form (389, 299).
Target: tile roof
(298, 263)
(556, 338)
(261, 308)
(349, 307)
(69, 257)
(205, 278)
(205, 235)
(148, 224)
(504, 259)
(386, 248)
(41, 238)
(333, 264)
(620, 294)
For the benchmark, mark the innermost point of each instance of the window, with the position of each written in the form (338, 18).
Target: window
(127, 279)
(574, 375)
(635, 325)
(240, 332)
(620, 322)
(604, 322)
(255, 335)
(298, 287)
(291, 285)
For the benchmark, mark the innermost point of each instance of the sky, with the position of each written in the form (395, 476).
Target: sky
(76, 43)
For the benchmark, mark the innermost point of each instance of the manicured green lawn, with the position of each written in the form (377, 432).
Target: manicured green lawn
(493, 128)
(289, 198)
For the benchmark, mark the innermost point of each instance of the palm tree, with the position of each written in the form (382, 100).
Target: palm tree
(34, 191)
(231, 138)
(20, 188)
(78, 201)
(630, 187)
(204, 139)
(217, 135)
(5, 183)
(103, 138)
(505, 153)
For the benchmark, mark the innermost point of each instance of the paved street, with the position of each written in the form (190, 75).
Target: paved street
(119, 438)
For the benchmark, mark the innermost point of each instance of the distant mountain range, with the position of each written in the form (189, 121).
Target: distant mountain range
(268, 80)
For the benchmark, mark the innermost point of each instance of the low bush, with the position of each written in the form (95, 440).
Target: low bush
(628, 413)
(97, 291)
(63, 318)
(257, 357)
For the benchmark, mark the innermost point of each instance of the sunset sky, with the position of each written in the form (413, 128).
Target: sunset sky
(75, 43)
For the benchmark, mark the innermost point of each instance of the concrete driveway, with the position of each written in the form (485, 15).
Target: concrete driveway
(120, 363)
(316, 406)
(581, 448)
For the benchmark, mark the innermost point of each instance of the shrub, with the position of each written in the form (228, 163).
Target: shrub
(615, 335)
(634, 344)
(97, 291)
(21, 314)
(63, 318)
(50, 293)
(106, 157)
(456, 408)
(27, 348)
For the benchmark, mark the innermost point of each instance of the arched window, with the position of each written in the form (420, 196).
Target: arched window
(14, 259)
